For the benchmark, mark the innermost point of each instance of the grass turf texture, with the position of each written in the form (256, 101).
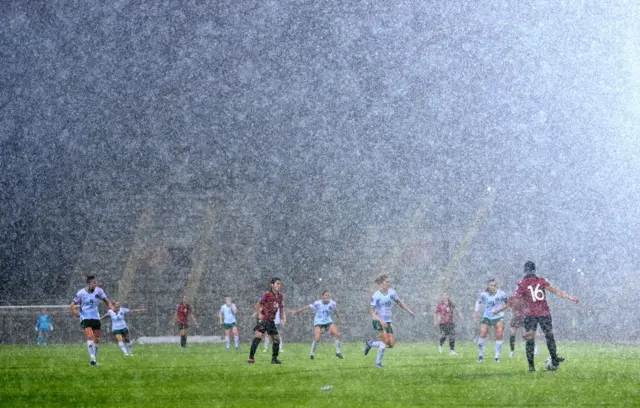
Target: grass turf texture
(415, 374)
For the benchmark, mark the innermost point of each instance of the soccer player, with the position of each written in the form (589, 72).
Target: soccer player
(227, 317)
(381, 311)
(87, 299)
(181, 318)
(277, 321)
(119, 327)
(533, 290)
(517, 320)
(323, 322)
(445, 310)
(269, 303)
(492, 298)
(43, 326)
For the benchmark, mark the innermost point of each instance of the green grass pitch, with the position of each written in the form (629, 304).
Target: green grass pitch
(415, 374)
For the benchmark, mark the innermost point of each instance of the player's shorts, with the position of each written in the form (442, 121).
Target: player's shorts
(183, 326)
(122, 332)
(448, 329)
(531, 323)
(378, 327)
(93, 324)
(516, 322)
(324, 326)
(229, 326)
(491, 322)
(43, 329)
(265, 326)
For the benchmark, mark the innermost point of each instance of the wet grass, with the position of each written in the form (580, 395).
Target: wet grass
(415, 374)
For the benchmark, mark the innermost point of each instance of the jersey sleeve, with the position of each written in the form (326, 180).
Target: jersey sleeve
(125, 310)
(394, 296)
(76, 298)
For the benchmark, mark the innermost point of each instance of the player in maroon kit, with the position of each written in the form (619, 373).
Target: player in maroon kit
(532, 290)
(269, 303)
(445, 309)
(181, 318)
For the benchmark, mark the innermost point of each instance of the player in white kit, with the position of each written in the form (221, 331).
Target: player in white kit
(119, 327)
(87, 300)
(322, 321)
(227, 317)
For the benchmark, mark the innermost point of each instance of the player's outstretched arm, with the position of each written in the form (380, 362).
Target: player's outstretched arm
(302, 309)
(562, 294)
(405, 308)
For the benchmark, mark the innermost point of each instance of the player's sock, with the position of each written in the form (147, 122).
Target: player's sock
(129, 347)
(377, 343)
(254, 346)
(442, 339)
(480, 347)
(498, 348)
(90, 349)
(452, 343)
(122, 347)
(183, 341)
(381, 349)
(275, 349)
(39, 340)
(314, 345)
(530, 346)
(551, 345)
(512, 343)
(227, 341)
(95, 349)
(337, 342)
(236, 341)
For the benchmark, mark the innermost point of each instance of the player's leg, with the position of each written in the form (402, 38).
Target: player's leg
(333, 331)
(259, 330)
(499, 337)
(118, 338)
(443, 336)
(530, 326)
(275, 348)
(184, 330)
(227, 339)
(236, 336)
(484, 328)
(546, 325)
(451, 333)
(317, 332)
(127, 342)
(513, 330)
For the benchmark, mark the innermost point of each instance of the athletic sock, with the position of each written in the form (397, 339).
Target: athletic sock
(227, 341)
(512, 342)
(452, 344)
(480, 347)
(498, 348)
(551, 345)
(530, 346)
(442, 339)
(314, 345)
(254, 346)
(381, 349)
(236, 340)
(376, 343)
(337, 347)
(91, 350)
(275, 348)
(183, 341)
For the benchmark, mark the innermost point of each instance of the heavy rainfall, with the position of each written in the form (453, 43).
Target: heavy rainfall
(202, 148)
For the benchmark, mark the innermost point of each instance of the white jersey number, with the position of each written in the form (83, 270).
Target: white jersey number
(536, 293)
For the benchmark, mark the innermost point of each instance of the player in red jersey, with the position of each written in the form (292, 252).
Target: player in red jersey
(445, 309)
(532, 290)
(181, 318)
(267, 307)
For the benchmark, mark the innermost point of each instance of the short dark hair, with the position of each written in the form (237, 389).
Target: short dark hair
(529, 267)
(90, 278)
(274, 280)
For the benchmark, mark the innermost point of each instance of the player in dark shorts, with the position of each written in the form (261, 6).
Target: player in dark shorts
(532, 289)
(268, 306)
(446, 309)
(181, 318)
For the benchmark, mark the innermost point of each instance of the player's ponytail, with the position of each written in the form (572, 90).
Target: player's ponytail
(381, 279)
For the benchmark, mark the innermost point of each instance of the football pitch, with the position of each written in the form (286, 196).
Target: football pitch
(415, 374)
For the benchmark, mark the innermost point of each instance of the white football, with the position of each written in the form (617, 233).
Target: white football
(548, 365)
